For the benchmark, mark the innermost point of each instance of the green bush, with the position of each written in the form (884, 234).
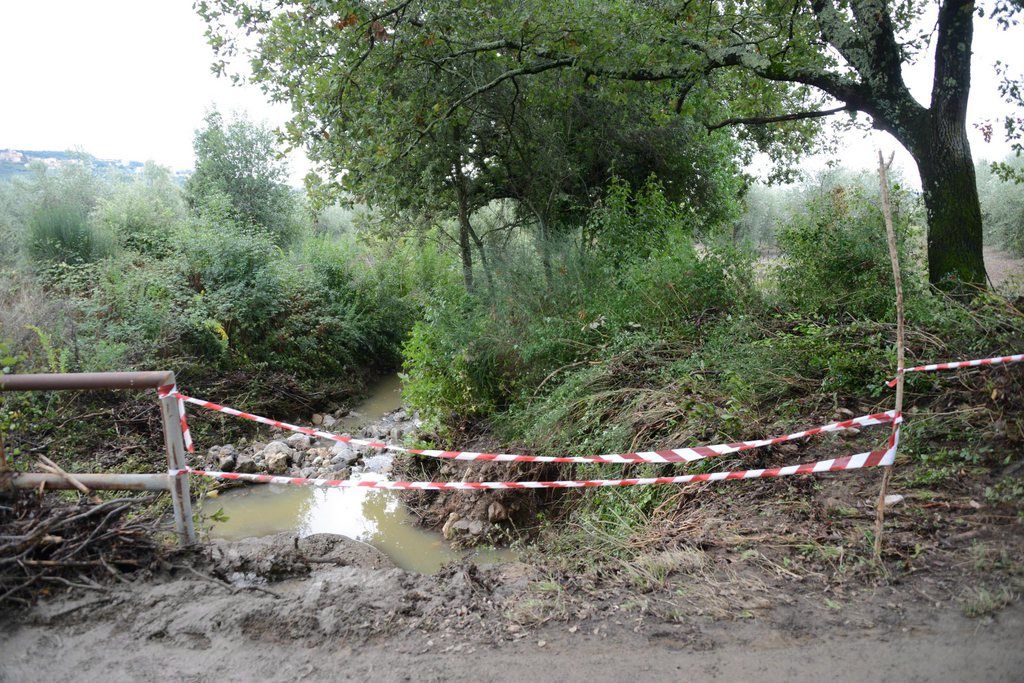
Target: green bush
(835, 254)
(471, 356)
(143, 213)
(61, 233)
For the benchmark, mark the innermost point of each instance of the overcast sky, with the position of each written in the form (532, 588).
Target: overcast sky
(131, 80)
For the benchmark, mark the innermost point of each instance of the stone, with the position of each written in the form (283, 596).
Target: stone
(245, 464)
(317, 419)
(893, 499)
(226, 459)
(275, 447)
(307, 472)
(496, 512)
(343, 454)
(278, 462)
(329, 421)
(476, 528)
(448, 530)
(299, 442)
(396, 434)
(378, 463)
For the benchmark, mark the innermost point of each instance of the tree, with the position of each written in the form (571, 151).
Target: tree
(753, 63)
(239, 171)
(373, 119)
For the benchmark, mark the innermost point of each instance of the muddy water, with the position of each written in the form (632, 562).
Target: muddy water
(379, 518)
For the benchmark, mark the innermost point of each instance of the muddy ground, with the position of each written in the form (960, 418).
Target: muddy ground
(785, 590)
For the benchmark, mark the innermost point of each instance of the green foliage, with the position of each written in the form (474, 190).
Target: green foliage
(142, 212)
(1002, 206)
(470, 357)
(835, 253)
(61, 233)
(239, 177)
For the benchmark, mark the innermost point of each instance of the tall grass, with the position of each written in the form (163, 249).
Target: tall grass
(61, 233)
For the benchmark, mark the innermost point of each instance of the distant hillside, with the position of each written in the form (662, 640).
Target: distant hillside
(19, 162)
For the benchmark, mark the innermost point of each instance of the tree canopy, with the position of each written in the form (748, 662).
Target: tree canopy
(767, 70)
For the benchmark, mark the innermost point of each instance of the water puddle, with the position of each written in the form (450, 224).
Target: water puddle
(385, 396)
(379, 518)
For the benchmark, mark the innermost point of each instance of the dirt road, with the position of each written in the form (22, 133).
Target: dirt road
(339, 610)
(950, 649)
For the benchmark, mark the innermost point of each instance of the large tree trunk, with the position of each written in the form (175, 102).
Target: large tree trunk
(950, 189)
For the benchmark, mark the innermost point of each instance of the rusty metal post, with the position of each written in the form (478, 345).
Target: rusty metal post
(96, 482)
(174, 440)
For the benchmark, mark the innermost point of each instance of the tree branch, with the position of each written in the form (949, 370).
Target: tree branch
(781, 118)
(952, 79)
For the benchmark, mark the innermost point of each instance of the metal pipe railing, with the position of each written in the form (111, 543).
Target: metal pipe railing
(96, 482)
(174, 441)
(85, 381)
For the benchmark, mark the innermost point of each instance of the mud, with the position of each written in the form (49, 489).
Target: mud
(326, 607)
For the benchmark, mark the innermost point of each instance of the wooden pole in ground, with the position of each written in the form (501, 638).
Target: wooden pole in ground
(890, 232)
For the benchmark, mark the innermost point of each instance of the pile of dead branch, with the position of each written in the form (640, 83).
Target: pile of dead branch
(47, 545)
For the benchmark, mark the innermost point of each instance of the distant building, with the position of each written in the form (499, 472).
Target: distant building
(12, 156)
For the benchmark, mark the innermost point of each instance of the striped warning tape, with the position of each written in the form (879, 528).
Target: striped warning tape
(675, 455)
(997, 360)
(877, 458)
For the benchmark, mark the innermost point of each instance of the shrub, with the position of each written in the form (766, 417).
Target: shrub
(836, 258)
(143, 213)
(61, 233)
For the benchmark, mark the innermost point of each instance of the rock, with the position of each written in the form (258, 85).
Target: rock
(245, 464)
(329, 421)
(378, 463)
(476, 528)
(448, 529)
(275, 447)
(893, 499)
(307, 472)
(396, 434)
(496, 512)
(278, 463)
(343, 454)
(317, 419)
(226, 459)
(299, 442)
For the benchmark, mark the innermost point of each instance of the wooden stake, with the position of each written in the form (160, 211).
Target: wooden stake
(50, 466)
(883, 177)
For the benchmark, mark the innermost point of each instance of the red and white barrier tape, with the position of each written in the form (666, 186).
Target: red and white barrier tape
(186, 435)
(674, 455)
(998, 360)
(878, 458)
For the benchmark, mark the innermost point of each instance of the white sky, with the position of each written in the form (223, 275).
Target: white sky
(131, 80)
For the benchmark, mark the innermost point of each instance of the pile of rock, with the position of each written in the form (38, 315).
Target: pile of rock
(299, 455)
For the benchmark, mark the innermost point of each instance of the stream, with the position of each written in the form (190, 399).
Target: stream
(379, 518)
